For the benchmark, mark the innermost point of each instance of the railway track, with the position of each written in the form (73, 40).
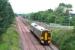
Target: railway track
(49, 47)
(28, 44)
(28, 41)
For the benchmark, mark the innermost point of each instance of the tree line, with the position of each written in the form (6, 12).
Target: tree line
(61, 15)
(6, 15)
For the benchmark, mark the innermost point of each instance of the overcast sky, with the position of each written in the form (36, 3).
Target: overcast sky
(28, 6)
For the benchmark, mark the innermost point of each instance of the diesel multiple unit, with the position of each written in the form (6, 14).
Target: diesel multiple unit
(42, 33)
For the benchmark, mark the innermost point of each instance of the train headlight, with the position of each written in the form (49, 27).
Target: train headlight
(42, 41)
(49, 41)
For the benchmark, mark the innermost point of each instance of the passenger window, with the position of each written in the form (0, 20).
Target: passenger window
(35, 25)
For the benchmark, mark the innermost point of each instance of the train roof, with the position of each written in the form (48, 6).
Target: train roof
(38, 27)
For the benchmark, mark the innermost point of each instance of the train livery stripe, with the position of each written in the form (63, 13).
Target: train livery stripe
(46, 34)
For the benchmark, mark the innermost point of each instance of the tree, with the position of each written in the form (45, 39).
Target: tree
(6, 15)
(62, 13)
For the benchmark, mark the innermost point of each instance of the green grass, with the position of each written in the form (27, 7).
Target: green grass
(10, 40)
(65, 40)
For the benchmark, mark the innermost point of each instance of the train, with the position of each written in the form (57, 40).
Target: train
(41, 33)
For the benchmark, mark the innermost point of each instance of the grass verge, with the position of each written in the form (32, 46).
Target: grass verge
(10, 40)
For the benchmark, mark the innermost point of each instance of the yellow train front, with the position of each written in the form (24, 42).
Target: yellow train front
(45, 37)
(43, 34)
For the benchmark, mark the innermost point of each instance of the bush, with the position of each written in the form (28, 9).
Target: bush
(64, 39)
